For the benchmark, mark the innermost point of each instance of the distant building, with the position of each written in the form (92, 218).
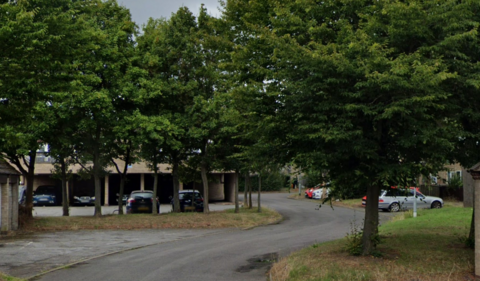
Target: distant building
(139, 177)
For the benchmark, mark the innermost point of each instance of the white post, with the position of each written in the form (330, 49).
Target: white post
(106, 191)
(476, 202)
(142, 181)
(414, 202)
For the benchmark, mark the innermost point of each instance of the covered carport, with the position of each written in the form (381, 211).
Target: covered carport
(9, 179)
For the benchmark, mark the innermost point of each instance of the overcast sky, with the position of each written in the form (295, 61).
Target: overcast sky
(142, 10)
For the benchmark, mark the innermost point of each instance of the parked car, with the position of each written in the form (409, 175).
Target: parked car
(44, 200)
(185, 198)
(83, 200)
(140, 201)
(317, 194)
(309, 192)
(46, 195)
(396, 199)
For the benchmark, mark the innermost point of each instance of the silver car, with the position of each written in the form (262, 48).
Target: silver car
(394, 200)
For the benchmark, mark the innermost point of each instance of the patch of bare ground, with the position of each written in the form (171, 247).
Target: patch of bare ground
(224, 219)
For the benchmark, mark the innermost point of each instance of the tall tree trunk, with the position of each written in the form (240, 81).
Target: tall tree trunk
(370, 227)
(29, 177)
(98, 196)
(250, 205)
(176, 188)
(245, 193)
(123, 176)
(237, 210)
(259, 192)
(98, 187)
(155, 188)
(120, 194)
(65, 204)
(203, 171)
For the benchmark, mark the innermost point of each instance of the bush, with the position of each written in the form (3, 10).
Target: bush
(270, 182)
(354, 240)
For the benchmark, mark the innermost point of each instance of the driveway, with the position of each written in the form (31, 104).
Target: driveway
(229, 254)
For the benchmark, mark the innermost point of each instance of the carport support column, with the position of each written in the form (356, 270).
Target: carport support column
(6, 205)
(106, 190)
(180, 186)
(13, 182)
(476, 188)
(142, 181)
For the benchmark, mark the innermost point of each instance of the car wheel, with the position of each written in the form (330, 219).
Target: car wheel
(436, 205)
(394, 207)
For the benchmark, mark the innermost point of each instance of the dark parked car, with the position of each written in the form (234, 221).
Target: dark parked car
(83, 200)
(46, 195)
(140, 201)
(185, 197)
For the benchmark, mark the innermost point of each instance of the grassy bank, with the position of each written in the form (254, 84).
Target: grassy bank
(4, 277)
(224, 219)
(428, 247)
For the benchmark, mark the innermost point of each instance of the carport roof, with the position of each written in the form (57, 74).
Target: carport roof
(476, 167)
(7, 169)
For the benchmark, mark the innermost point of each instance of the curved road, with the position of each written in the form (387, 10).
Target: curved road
(232, 255)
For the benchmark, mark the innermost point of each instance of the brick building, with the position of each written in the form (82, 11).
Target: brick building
(139, 177)
(9, 179)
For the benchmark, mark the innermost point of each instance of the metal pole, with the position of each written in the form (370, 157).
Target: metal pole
(414, 202)
(299, 188)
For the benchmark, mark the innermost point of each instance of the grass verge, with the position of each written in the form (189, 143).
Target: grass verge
(357, 202)
(225, 219)
(428, 247)
(4, 277)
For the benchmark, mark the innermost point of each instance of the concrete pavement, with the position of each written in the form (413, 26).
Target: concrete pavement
(27, 255)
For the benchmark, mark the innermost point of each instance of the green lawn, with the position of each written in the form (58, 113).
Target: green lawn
(429, 247)
(4, 277)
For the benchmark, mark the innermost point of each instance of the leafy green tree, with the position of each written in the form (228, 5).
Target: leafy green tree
(39, 41)
(180, 58)
(347, 87)
(168, 58)
(126, 130)
(61, 139)
(104, 65)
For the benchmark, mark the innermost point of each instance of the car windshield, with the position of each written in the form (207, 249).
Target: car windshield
(45, 190)
(188, 196)
(142, 195)
(399, 192)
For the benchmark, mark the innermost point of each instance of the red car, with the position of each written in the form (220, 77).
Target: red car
(309, 192)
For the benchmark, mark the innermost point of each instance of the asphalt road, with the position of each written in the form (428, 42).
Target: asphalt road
(228, 255)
